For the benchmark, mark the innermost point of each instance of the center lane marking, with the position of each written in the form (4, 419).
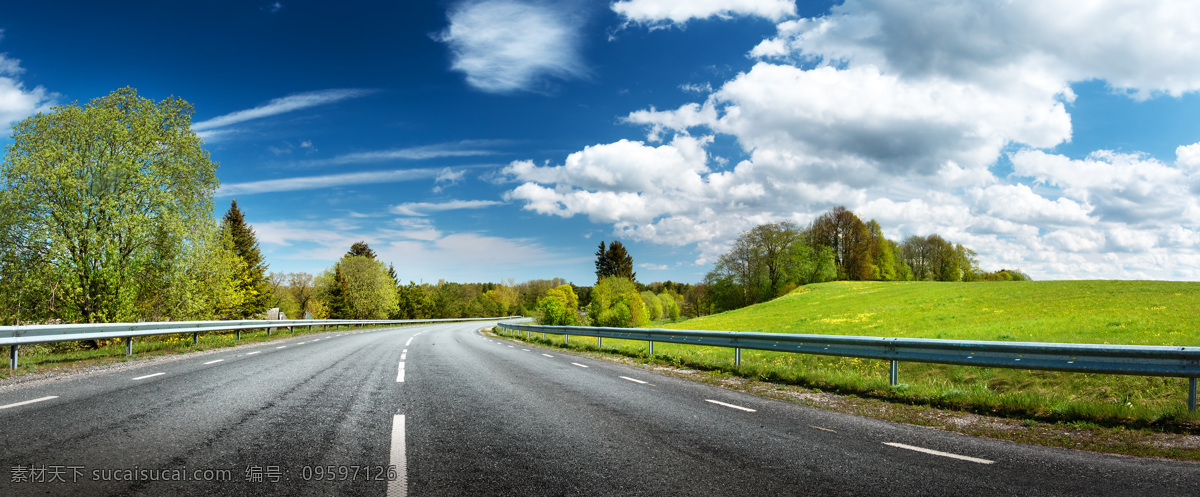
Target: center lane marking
(399, 486)
(578, 364)
(213, 362)
(717, 402)
(255, 352)
(148, 376)
(400, 375)
(547, 355)
(634, 380)
(939, 453)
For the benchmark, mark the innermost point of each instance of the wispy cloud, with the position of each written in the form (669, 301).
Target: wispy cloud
(465, 148)
(325, 181)
(278, 106)
(426, 208)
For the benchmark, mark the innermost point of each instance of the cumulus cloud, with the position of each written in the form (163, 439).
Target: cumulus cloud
(16, 100)
(656, 12)
(903, 112)
(504, 46)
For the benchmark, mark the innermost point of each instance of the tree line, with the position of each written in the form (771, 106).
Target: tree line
(772, 259)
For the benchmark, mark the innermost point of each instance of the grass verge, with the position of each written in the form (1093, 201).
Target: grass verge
(71, 356)
(1021, 416)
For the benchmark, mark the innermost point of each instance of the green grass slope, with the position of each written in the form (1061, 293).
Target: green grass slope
(1114, 312)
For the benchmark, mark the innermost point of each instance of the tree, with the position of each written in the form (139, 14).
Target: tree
(97, 201)
(251, 281)
(559, 307)
(361, 249)
(849, 238)
(617, 303)
(615, 261)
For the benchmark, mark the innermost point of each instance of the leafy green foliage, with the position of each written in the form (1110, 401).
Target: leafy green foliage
(617, 303)
(99, 204)
(559, 307)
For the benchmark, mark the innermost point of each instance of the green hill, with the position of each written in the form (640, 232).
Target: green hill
(1115, 312)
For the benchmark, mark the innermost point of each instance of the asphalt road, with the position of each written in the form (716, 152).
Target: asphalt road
(328, 414)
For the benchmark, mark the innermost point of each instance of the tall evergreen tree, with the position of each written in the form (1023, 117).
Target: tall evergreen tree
(614, 261)
(252, 280)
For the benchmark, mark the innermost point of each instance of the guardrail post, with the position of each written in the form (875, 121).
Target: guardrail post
(651, 348)
(894, 374)
(129, 346)
(566, 339)
(737, 356)
(195, 338)
(268, 331)
(1191, 389)
(599, 342)
(12, 357)
(239, 334)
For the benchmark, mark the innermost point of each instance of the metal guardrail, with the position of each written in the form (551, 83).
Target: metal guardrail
(1139, 360)
(15, 336)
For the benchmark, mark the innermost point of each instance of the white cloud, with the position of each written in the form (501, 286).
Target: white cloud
(653, 267)
(418, 249)
(209, 128)
(656, 12)
(324, 181)
(427, 208)
(465, 148)
(901, 111)
(16, 100)
(504, 45)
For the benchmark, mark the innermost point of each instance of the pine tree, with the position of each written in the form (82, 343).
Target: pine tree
(252, 280)
(620, 261)
(361, 248)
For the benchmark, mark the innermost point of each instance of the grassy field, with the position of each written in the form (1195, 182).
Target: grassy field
(1104, 312)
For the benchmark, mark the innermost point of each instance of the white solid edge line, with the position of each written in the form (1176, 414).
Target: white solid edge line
(578, 364)
(148, 376)
(399, 486)
(717, 402)
(213, 362)
(43, 399)
(400, 375)
(634, 380)
(939, 453)
(255, 352)
(547, 355)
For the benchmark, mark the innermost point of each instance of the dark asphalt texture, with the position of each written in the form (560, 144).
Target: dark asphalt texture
(491, 417)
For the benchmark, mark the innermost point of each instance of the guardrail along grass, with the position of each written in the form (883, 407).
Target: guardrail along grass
(42, 356)
(1099, 312)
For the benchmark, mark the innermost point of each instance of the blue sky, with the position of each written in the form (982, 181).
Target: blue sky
(495, 139)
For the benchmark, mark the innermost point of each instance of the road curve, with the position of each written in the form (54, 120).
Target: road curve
(444, 410)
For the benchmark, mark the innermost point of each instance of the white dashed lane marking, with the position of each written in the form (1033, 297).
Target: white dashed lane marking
(578, 364)
(148, 376)
(547, 355)
(213, 362)
(27, 402)
(255, 352)
(734, 406)
(634, 380)
(400, 375)
(939, 453)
